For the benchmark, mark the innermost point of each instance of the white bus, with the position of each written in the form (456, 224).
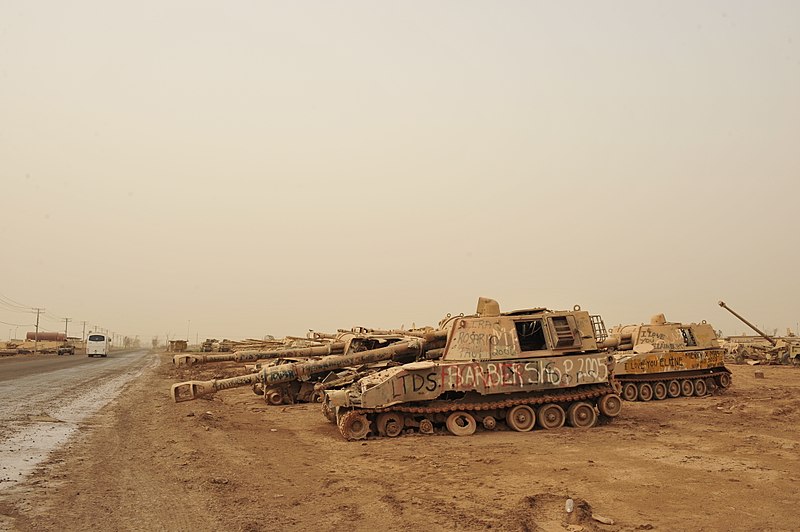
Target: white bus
(97, 344)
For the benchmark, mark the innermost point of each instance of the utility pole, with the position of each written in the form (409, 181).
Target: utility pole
(36, 338)
(66, 324)
(83, 334)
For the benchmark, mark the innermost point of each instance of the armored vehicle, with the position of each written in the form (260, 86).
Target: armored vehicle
(662, 359)
(288, 380)
(519, 368)
(780, 351)
(302, 388)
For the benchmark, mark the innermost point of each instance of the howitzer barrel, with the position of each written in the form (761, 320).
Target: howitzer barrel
(190, 360)
(316, 351)
(399, 332)
(756, 329)
(187, 391)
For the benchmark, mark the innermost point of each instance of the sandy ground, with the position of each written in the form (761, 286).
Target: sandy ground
(725, 462)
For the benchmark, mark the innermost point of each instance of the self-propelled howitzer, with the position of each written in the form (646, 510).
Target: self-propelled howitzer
(664, 359)
(523, 368)
(269, 376)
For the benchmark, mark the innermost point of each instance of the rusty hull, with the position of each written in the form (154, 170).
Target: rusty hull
(428, 380)
(489, 353)
(666, 347)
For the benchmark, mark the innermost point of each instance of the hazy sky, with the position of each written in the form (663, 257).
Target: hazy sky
(269, 167)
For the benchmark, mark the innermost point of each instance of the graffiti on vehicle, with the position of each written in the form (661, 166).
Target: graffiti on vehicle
(502, 376)
(672, 361)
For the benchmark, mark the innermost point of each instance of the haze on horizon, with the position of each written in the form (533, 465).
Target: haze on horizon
(259, 168)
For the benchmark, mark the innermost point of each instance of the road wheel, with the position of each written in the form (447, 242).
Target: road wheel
(426, 426)
(674, 389)
(645, 391)
(724, 380)
(687, 388)
(354, 426)
(461, 423)
(390, 424)
(700, 387)
(629, 391)
(273, 397)
(659, 391)
(521, 418)
(551, 416)
(610, 405)
(581, 415)
(317, 396)
(489, 423)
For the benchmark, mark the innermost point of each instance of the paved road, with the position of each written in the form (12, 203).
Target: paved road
(44, 399)
(25, 365)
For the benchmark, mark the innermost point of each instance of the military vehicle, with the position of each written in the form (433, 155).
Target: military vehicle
(519, 368)
(305, 390)
(295, 391)
(302, 390)
(780, 351)
(358, 339)
(663, 359)
(288, 380)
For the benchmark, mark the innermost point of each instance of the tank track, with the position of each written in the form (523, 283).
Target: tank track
(562, 397)
(441, 407)
(717, 376)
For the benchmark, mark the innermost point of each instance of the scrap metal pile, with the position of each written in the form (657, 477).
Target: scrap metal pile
(299, 369)
(769, 351)
(485, 371)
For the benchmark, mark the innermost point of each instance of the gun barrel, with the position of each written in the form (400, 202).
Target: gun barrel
(191, 390)
(187, 391)
(299, 370)
(302, 352)
(190, 360)
(756, 329)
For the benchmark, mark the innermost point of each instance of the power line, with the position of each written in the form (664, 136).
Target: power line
(10, 302)
(12, 308)
(16, 306)
(17, 324)
(50, 317)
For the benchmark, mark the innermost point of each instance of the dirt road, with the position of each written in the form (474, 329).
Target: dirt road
(726, 462)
